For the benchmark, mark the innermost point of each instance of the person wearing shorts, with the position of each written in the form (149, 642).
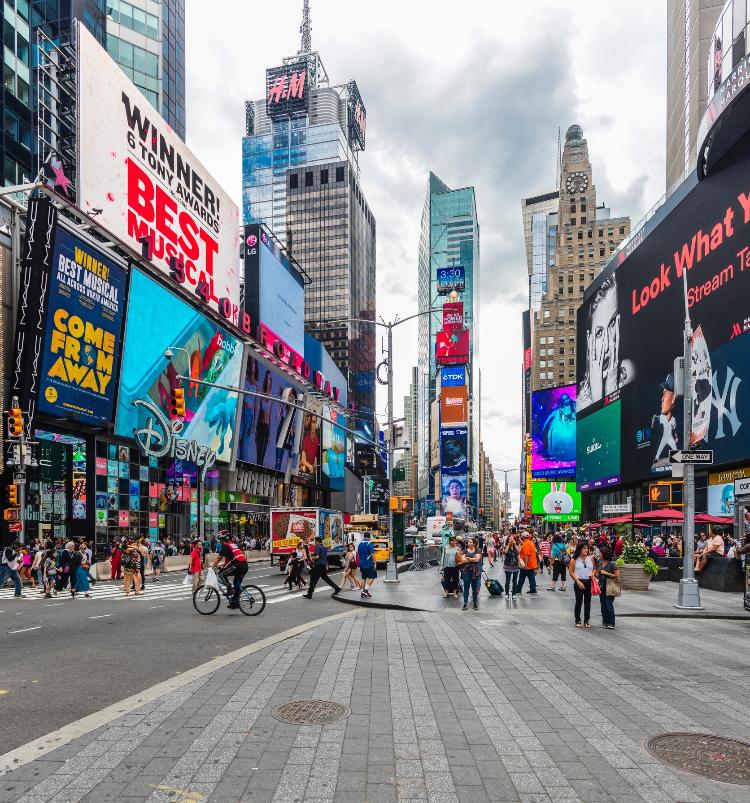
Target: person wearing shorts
(367, 567)
(559, 566)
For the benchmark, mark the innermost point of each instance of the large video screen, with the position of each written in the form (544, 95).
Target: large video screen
(454, 450)
(598, 448)
(157, 320)
(553, 432)
(453, 495)
(282, 296)
(556, 501)
(334, 448)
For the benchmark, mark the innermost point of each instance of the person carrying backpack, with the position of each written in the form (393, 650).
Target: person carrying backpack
(9, 562)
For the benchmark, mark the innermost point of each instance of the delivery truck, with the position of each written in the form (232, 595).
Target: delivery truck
(289, 526)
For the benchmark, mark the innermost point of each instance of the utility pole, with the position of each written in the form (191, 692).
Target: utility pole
(391, 570)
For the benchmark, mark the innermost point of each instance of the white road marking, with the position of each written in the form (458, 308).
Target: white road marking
(155, 606)
(25, 630)
(53, 604)
(101, 616)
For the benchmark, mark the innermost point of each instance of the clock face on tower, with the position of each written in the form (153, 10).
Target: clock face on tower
(577, 182)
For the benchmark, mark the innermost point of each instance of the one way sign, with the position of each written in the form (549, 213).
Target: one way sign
(705, 457)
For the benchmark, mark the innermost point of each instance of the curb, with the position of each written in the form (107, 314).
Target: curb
(37, 748)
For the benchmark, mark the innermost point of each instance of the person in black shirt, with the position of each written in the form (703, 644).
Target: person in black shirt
(235, 564)
(319, 569)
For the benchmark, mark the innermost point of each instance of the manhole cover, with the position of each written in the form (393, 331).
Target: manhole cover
(712, 757)
(310, 712)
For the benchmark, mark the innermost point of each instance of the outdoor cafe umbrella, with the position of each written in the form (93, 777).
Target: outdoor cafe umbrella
(662, 514)
(707, 518)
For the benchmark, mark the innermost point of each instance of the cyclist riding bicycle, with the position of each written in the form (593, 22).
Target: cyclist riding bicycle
(235, 563)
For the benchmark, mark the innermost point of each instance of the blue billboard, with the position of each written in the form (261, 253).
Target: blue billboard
(452, 278)
(158, 320)
(83, 334)
(453, 376)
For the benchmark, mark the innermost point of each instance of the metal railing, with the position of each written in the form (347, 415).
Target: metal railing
(425, 557)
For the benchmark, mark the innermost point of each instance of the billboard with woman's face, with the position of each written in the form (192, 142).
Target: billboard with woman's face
(454, 495)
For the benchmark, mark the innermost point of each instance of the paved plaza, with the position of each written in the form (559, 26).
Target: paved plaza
(444, 707)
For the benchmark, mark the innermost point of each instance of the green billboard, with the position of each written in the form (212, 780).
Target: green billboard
(556, 501)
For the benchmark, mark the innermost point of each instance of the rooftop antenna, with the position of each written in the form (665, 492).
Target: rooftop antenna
(558, 159)
(305, 29)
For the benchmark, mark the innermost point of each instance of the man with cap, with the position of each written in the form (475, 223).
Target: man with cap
(235, 564)
(666, 421)
(319, 570)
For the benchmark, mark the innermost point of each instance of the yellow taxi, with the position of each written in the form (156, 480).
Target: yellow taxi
(381, 550)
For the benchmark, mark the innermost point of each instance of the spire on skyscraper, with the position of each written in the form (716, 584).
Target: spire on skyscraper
(306, 29)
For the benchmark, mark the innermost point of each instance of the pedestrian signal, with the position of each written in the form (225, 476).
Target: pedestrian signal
(177, 403)
(15, 422)
(660, 493)
(11, 495)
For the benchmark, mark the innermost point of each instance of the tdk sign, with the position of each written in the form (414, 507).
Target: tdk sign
(453, 377)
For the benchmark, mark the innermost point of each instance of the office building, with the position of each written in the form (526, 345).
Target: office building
(449, 236)
(586, 236)
(540, 231)
(690, 25)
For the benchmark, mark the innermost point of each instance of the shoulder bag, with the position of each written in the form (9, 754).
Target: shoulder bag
(613, 587)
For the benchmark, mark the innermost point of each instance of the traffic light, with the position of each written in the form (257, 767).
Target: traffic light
(15, 422)
(660, 493)
(11, 495)
(177, 403)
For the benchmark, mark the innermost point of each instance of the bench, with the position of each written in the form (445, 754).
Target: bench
(722, 574)
(673, 567)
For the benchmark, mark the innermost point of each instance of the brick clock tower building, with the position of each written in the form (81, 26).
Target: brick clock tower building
(586, 237)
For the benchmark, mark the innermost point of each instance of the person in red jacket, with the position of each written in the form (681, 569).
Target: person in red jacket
(196, 564)
(116, 558)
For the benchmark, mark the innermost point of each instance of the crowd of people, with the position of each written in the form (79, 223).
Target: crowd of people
(50, 568)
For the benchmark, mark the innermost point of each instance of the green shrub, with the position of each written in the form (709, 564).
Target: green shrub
(634, 553)
(650, 567)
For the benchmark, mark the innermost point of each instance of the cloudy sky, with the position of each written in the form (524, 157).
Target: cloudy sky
(474, 91)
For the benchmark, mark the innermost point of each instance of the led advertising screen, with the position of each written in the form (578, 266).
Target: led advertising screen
(454, 448)
(598, 448)
(264, 422)
(721, 490)
(287, 89)
(146, 182)
(309, 456)
(158, 320)
(556, 501)
(452, 348)
(553, 432)
(453, 278)
(454, 405)
(356, 116)
(453, 316)
(453, 376)
(334, 448)
(453, 495)
(630, 328)
(84, 323)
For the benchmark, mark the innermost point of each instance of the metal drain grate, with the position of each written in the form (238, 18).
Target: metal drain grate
(310, 712)
(713, 757)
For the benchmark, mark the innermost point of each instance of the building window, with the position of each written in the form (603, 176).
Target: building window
(572, 221)
(583, 219)
(339, 174)
(293, 181)
(622, 229)
(308, 178)
(324, 177)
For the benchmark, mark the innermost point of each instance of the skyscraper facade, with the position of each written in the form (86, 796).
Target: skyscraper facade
(449, 236)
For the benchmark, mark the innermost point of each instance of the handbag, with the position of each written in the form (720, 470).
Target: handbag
(521, 563)
(613, 587)
(595, 587)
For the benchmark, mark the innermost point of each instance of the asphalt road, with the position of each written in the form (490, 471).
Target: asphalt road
(62, 659)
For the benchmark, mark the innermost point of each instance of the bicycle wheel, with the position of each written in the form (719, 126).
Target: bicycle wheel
(252, 600)
(206, 600)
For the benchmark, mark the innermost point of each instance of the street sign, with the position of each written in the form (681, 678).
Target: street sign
(742, 487)
(15, 527)
(680, 456)
(616, 508)
(19, 477)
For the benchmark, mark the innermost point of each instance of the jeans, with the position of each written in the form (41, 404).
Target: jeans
(583, 596)
(511, 581)
(531, 574)
(473, 584)
(608, 609)
(5, 572)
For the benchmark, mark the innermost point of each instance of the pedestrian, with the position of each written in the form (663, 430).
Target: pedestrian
(350, 568)
(116, 561)
(527, 563)
(609, 584)
(82, 580)
(143, 549)
(581, 571)
(131, 566)
(319, 569)
(449, 568)
(9, 563)
(491, 552)
(65, 571)
(367, 566)
(545, 548)
(49, 573)
(470, 564)
(196, 564)
(510, 566)
(157, 559)
(76, 558)
(25, 566)
(560, 560)
(37, 567)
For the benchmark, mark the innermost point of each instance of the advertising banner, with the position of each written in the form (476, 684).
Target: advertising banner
(158, 320)
(721, 490)
(553, 432)
(287, 89)
(453, 377)
(434, 434)
(452, 348)
(309, 458)
(365, 458)
(453, 278)
(454, 406)
(82, 341)
(334, 448)
(288, 528)
(454, 447)
(146, 183)
(598, 448)
(453, 494)
(556, 501)
(356, 116)
(453, 316)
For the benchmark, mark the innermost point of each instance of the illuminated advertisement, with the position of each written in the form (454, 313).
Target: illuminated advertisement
(263, 422)
(453, 495)
(556, 501)
(452, 348)
(454, 448)
(598, 448)
(158, 320)
(721, 491)
(453, 376)
(453, 316)
(454, 405)
(287, 89)
(356, 116)
(553, 432)
(334, 448)
(309, 455)
(146, 184)
(453, 278)
(82, 341)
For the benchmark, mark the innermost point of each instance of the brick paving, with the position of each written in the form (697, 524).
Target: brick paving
(444, 708)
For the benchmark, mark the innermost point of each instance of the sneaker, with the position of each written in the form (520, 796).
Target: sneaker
(367, 593)
(476, 607)
(465, 608)
(610, 627)
(337, 591)
(549, 588)
(531, 592)
(20, 596)
(513, 597)
(307, 596)
(363, 595)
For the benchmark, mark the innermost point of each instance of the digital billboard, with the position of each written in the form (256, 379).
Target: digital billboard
(145, 182)
(452, 348)
(356, 116)
(598, 448)
(453, 316)
(453, 495)
(158, 320)
(630, 329)
(309, 455)
(454, 448)
(453, 376)
(556, 501)
(553, 432)
(454, 405)
(453, 278)
(721, 491)
(287, 89)
(84, 323)
(334, 448)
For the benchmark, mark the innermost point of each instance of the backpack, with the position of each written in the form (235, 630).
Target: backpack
(8, 556)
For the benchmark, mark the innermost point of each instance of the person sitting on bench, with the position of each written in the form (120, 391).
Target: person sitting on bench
(715, 546)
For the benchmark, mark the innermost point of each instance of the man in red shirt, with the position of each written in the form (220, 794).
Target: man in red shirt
(619, 545)
(235, 564)
(196, 564)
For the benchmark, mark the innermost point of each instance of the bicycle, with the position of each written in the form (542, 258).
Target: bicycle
(207, 600)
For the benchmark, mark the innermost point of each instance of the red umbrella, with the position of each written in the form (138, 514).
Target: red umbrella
(707, 518)
(662, 514)
(617, 520)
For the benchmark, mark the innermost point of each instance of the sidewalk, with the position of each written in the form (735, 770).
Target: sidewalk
(421, 591)
(443, 709)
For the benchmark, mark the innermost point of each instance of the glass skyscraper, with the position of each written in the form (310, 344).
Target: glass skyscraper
(449, 236)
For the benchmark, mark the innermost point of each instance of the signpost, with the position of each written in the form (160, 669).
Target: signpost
(704, 457)
(616, 509)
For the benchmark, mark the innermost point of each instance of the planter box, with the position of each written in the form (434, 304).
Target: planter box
(633, 578)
